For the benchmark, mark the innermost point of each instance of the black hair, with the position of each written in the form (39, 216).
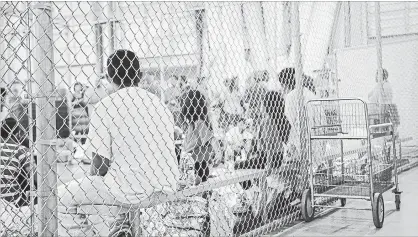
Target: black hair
(194, 107)
(78, 84)
(232, 83)
(9, 129)
(3, 92)
(123, 68)
(241, 119)
(308, 82)
(275, 108)
(385, 74)
(287, 77)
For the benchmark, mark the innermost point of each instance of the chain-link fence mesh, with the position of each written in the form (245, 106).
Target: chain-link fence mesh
(183, 118)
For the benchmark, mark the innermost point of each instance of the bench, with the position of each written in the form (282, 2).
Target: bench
(133, 211)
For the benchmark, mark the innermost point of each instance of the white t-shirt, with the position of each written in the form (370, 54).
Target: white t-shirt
(291, 112)
(291, 104)
(232, 103)
(135, 131)
(387, 94)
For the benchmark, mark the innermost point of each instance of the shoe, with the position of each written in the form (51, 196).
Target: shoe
(86, 161)
(72, 162)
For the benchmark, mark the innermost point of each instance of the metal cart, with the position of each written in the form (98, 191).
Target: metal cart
(361, 175)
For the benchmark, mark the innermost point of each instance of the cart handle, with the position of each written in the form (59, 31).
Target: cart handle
(339, 99)
(326, 126)
(381, 125)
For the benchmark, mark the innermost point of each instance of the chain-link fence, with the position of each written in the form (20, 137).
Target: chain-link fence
(181, 118)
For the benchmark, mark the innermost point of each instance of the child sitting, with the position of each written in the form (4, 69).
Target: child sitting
(238, 142)
(198, 133)
(15, 159)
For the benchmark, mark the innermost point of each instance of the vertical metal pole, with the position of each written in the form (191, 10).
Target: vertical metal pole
(379, 51)
(99, 49)
(298, 63)
(112, 24)
(347, 23)
(98, 31)
(3, 71)
(299, 83)
(161, 67)
(112, 36)
(2, 85)
(31, 124)
(342, 160)
(395, 159)
(3, 64)
(369, 159)
(68, 82)
(301, 113)
(43, 74)
(200, 28)
(264, 188)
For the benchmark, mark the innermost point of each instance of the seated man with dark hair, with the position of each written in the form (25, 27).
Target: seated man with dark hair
(130, 143)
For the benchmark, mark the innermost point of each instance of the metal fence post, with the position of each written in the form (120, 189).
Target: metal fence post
(98, 32)
(112, 25)
(379, 50)
(3, 67)
(4, 46)
(297, 44)
(3, 85)
(299, 75)
(43, 75)
(301, 113)
(28, 18)
(200, 17)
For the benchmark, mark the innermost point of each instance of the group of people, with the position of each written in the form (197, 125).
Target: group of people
(131, 138)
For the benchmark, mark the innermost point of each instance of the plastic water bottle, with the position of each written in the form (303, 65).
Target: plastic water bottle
(187, 168)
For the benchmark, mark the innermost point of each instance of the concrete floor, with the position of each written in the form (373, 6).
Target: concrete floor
(360, 223)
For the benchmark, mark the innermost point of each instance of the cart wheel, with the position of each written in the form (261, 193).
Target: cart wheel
(308, 210)
(343, 201)
(398, 201)
(378, 210)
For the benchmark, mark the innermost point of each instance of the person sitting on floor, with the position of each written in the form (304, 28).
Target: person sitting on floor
(15, 160)
(130, 142)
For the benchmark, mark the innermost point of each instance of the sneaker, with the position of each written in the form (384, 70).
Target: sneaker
(72, 162)
(86, 161)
